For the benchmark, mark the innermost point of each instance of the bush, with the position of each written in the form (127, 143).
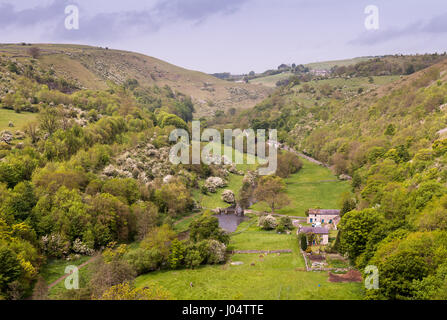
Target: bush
(81, 248)
(55, 245)
(144, 260)
(193, 258)
(207, 227)
(177, 255)
(267, 222)
(286, 223)
(216, 252)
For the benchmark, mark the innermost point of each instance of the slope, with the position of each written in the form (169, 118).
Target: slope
(93, 67)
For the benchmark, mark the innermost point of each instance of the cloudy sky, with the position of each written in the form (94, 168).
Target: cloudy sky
(233, 35)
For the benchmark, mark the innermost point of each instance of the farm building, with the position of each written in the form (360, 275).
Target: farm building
(328, 216)
(323, 232)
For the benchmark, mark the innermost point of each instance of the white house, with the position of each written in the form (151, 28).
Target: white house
(324, 216)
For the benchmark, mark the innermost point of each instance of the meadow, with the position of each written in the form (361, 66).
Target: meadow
(313, 186)
(18, 119)
(266, 277)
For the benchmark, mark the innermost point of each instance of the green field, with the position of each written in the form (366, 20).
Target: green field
(309, 188)
(270, 81)
(327, 65)
(18, 119)
(272, 277)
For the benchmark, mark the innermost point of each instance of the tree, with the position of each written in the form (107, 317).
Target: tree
(125, 189)
(10, 269)
(31, 128)
(303, 241)
(347, 203)
(176, 258)
(50, 120)
(34, 52)
(145, 214)
(173, 198)
(288, 164)
(160, 239)
(111, 270)
(207, 227)
(267, 222)
(271, 190)
(355, 228)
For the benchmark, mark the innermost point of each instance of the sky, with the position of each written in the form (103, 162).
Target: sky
(234, 36)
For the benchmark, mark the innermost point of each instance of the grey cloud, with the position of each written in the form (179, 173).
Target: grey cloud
(28, 17)
(106, 26)
(436, 25)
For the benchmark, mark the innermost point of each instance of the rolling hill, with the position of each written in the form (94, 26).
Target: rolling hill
(92, 67)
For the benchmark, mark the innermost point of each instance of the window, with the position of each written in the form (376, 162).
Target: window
(322, 220)
(330, 221)
(310, 219)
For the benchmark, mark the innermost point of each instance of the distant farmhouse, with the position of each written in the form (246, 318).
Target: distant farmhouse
(320, 72)
(323, 232)
(328, 216)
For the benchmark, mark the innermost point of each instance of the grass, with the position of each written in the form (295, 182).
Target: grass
(336, 263)
(330, 64)
(250, 237)
(273, 277)
(270, 81)
(18, 119)
(309, 188)
(183, 224)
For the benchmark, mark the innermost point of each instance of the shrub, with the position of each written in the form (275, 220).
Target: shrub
(216, 252)
(55, 245)
(267, 222)
(81, 248)
(207, 227)
(177, 255)
(286, 223)
(144, 260)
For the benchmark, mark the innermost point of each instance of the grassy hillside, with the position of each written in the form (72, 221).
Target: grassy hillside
(93, 67)
(270, 81)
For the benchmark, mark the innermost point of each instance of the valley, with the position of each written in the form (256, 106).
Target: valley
(85, 179)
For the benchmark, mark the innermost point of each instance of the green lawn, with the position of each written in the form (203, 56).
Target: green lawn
(270, 81)
(272, 277)
(309, 189)
(18, 119)
(183, 224)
